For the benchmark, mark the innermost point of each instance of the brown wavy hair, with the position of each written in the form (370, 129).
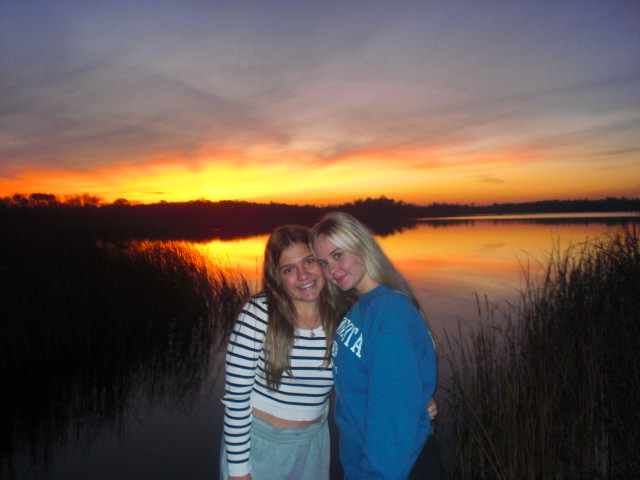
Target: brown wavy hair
(282, 311)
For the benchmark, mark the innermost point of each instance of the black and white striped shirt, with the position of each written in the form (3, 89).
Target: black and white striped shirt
(302, 395)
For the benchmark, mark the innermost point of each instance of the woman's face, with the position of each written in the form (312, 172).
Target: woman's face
(341, 268)
(300, 274)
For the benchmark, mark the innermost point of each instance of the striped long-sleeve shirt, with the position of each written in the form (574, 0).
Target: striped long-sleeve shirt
(302, 395)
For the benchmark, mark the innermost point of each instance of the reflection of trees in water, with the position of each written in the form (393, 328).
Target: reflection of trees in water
(464, 222)
(89, 328)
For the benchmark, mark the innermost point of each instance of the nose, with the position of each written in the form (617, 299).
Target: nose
(302, 272)
(332, 267)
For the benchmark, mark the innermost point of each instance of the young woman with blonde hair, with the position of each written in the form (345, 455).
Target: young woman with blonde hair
(383, 355)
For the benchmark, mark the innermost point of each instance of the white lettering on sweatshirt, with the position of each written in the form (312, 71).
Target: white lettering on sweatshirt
(346, 331)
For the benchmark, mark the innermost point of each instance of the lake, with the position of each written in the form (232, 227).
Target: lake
(449, 262)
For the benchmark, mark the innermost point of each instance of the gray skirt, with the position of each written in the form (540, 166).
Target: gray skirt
(286, 453)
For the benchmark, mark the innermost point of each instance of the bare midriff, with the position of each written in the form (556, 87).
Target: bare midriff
(281, 422)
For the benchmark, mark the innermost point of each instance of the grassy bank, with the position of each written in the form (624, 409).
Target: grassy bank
(90, 327)
(551, 388)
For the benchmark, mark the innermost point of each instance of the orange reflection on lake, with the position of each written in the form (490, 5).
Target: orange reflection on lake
(487, 255)
(448, 263)
(244, 255)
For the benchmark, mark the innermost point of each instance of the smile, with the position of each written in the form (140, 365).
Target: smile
(307, 285)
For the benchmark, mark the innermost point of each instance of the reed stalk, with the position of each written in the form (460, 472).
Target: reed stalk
(90, 328)
(550, 386)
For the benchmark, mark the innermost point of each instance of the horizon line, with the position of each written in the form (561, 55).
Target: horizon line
(99, 201)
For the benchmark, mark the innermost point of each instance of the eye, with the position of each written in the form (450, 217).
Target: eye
(287, 270)
(337, 255)
(323, 263)
(309, 261)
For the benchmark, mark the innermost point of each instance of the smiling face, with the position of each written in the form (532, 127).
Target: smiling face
(300, 275)
(341, 268)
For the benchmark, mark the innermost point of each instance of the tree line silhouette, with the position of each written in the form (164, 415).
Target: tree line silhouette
(204, 219)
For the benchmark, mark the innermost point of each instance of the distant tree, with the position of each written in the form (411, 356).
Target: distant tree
(121, 202)
(91, 200)
(84, 200)
(20, 200)
(73, 200)
(42, 199)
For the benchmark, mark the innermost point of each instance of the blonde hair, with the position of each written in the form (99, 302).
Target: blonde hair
(351, 236)
(282, 311)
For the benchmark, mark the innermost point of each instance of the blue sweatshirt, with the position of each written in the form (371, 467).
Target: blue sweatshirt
(385, 373)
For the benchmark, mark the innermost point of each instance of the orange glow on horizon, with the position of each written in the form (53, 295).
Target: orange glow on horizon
(409, 174)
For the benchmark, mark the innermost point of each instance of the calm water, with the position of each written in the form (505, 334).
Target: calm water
(448, 262)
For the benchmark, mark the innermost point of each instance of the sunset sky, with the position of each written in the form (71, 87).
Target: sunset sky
(320, 102)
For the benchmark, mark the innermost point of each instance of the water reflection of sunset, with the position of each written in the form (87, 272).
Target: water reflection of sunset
(483, 249)
(446, 265)
(244, 255)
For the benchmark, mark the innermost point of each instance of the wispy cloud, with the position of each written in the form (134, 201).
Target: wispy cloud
(92, 86)
(487, 179)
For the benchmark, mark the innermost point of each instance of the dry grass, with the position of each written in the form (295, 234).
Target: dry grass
(551, 388)
(90, 327)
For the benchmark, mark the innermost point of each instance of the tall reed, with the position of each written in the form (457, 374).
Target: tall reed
(550, 388)
(90, 327)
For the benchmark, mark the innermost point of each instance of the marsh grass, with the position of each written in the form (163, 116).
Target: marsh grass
(550, 387)
(90, 328)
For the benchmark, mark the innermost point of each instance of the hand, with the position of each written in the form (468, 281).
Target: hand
(432, 408)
